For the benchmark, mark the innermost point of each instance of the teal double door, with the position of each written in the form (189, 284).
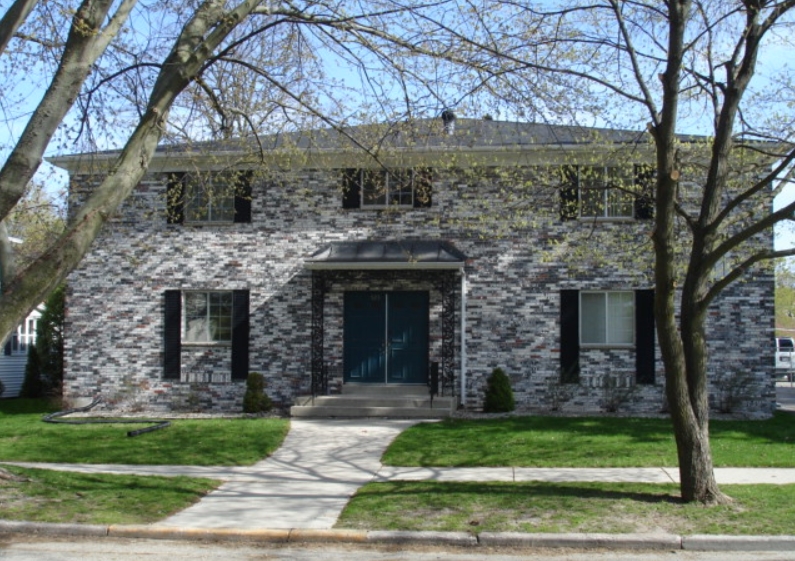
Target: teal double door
(386, 337)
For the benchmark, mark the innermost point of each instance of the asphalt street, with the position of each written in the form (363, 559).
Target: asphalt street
(21, 549)
(785, 396)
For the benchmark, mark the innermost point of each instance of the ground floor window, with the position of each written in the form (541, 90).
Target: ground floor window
(210, 317)
(607, 318)
(618, 319)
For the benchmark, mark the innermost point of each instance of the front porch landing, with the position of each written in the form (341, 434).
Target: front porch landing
(371, 400)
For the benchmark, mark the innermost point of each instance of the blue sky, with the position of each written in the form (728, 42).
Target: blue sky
(27, 91)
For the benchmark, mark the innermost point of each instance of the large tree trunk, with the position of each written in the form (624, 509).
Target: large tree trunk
(696, 474)
(683, 349)
(688, 397)
(683, 345)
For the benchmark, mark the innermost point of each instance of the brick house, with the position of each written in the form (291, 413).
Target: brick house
(460, 247)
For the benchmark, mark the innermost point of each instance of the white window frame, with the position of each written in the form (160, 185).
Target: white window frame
(611, 336)
(24, 335)
(611, 196)
(214, 194)
(193, 332)
(386, 201)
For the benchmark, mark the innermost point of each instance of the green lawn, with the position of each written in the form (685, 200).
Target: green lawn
(576, 507)
(587, 442)
(476, 507)
(51, 496)
(222, 442)
(566, 507)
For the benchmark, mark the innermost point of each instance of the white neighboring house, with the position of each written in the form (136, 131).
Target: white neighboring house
(14, 357)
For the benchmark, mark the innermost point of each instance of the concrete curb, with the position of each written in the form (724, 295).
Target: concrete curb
(738, 543)
(198, 534)
(582, 541)
(52, 529)
(298, 535)
(460, 539)
(668, 542)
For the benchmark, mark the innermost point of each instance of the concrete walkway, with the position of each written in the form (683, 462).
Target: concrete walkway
(310, 478)
(305, 484)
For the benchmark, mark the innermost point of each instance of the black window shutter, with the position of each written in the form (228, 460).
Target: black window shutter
(569, 336)
(175, 199)
(351, 188)
(243, 193)
(7, 347)
(172, 335)
(569, 196)
(644, 336)
(240, 334)
(644, 200)
(423, 188)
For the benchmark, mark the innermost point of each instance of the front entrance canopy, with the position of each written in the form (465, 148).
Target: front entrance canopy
(437, 262)
(387, 255)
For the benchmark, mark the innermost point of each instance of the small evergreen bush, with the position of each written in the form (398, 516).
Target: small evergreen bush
(33, 386)
(49, 343)
(256, 400)
(499, 395)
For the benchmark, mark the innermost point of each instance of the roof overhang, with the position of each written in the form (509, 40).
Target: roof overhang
(417, 255)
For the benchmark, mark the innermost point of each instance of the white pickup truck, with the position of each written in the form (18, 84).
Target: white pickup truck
(785, 349)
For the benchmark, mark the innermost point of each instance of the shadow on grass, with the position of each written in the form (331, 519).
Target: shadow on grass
(640, 493)
(637, 429)
(535, 441)
(22, 406)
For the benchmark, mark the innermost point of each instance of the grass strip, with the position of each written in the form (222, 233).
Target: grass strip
(199, 442)
(586, 442)
(79, 498)
(566, 507)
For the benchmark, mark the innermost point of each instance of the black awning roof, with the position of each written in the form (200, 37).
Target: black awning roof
(410, 254)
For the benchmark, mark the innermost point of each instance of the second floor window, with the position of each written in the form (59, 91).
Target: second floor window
(605, 192)
(209, 198)
(380, 188)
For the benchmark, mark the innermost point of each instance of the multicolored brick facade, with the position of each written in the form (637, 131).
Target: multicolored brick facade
(523, 259)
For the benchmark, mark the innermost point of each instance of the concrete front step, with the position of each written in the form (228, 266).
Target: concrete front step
(367, 411)
(369, 400)
(345, 400)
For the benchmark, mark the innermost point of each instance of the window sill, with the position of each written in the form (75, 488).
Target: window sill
(607, 346)
(209, 224)
(389, 207)
(206, 343)
(603, 219)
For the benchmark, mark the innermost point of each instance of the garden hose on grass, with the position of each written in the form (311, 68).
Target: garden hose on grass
(157, 424)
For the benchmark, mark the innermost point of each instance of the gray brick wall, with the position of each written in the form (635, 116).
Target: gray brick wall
(520, 256)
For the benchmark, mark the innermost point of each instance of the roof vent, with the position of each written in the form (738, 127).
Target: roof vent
(448, 119)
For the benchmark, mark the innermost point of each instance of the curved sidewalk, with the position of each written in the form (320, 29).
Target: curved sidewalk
(305, 484)
(308, 481)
